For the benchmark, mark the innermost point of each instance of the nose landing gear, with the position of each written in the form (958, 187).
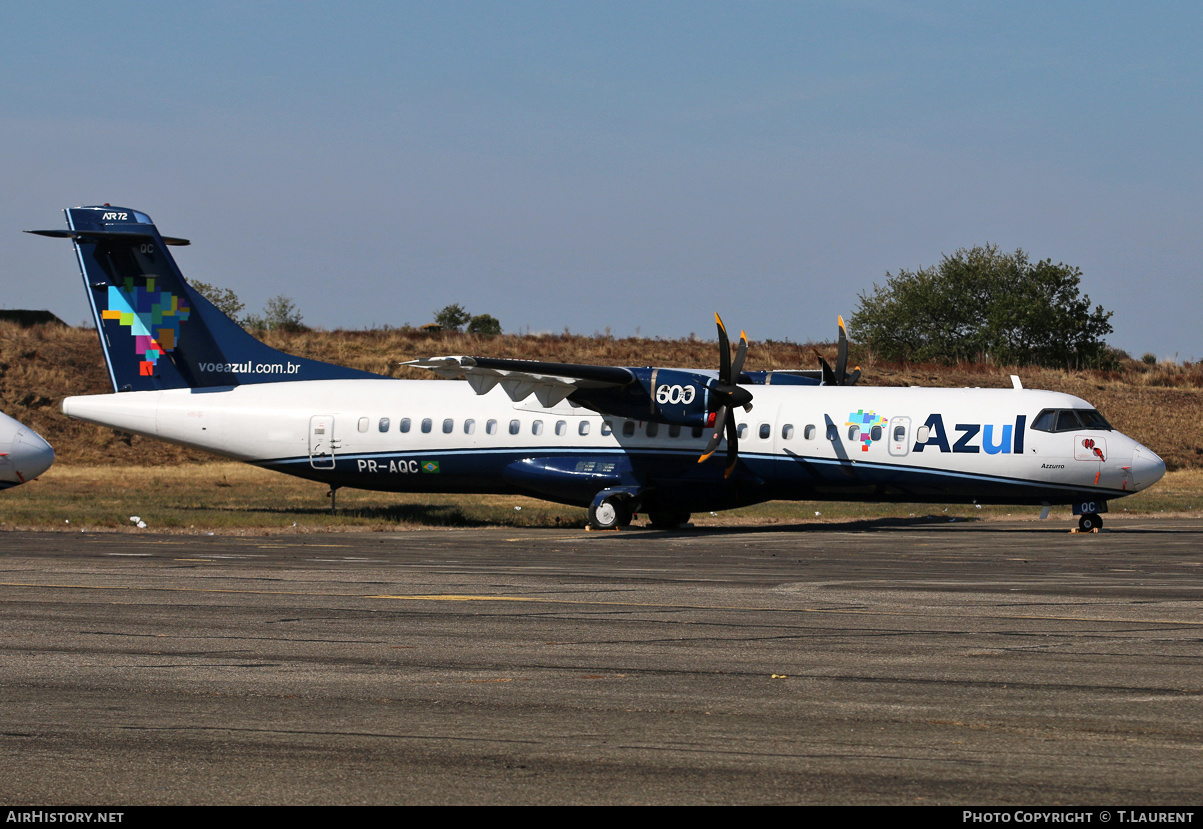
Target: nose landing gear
(1088, 515)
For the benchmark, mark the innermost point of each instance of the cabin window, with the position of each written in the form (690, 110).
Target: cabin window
(515, 426)
(469, 427)
(833, 434)
(674, 431)
(583, 429)
(628, 428)
(448, 426)
(653, 428)
(607, 428)
(766, 430)
(853, 433)
(875, 433)
(405, 424)
(491, 427)
(561, 428)
(383, 425)
(427, 424)
(743, 431)
(809, 431)
(899, 433)
(787, 431)
(363, 424)
(923, 435)
(536, 428)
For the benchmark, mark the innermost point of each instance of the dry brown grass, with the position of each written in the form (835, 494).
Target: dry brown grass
(1160, 405)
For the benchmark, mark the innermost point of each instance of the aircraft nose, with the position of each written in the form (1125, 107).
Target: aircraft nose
(1147, 468)
(30, 456)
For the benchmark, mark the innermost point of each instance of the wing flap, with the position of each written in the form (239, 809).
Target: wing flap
(550, 383)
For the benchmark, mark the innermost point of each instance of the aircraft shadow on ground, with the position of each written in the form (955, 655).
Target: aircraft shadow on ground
(450, 515)
(430, 515)
(887, 524)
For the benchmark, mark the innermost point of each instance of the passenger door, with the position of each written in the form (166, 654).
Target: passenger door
(321, 442)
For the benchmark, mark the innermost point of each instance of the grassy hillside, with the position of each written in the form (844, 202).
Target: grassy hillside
(1159, 405)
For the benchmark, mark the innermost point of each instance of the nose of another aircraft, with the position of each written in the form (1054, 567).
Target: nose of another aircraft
(1147, 468)
(30, 455)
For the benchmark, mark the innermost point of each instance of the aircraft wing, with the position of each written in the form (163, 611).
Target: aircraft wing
(786, 376)
(550, 383)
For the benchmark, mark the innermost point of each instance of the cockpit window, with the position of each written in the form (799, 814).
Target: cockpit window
(1091, 419)
(1069, 420)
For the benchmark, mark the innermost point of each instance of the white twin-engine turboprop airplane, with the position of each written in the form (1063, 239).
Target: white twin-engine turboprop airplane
(24, 455)
(616, 440)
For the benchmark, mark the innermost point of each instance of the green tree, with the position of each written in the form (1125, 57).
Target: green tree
(226, 300)
(279, 314)
(453, 317)
(485, 325)
(980, 304)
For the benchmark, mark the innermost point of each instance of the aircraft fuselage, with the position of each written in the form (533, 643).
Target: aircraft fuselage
(801, 443)
(24, 455)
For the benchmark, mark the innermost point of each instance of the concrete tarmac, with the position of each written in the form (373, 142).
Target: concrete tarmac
(912, 662)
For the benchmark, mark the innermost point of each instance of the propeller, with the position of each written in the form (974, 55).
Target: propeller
(839, 376)
(727, 394)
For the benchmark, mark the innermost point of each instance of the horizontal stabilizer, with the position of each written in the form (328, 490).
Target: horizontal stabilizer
(97, 235)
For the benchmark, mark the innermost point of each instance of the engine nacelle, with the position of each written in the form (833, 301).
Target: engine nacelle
(678, 397)
(665, 395)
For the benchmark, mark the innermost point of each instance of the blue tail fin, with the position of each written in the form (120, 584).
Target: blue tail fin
(156, 331)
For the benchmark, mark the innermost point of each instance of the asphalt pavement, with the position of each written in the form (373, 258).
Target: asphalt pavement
(892, 662)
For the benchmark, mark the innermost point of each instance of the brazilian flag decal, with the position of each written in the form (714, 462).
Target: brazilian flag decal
(430, 466)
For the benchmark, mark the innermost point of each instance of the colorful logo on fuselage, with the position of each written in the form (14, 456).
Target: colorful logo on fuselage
(153, 318)
(865, 421)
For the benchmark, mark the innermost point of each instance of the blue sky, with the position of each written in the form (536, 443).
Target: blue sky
(624, 166)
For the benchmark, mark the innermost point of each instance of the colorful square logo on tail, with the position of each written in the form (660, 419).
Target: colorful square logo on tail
(143, 310)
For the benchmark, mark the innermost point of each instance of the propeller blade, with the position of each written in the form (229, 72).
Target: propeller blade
(726, 394)
(841, 360)
(732, 446)
(716, 438)
(724, 352)
(828, 374)
(839, 375)
(741, 353)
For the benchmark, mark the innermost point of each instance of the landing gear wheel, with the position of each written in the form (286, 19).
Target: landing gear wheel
(610, 514)
(1090, 522)
(667, 520)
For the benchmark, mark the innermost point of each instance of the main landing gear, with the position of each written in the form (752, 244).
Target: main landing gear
(610, 513)
(667, 519)
(615, 508)
(1089, 522)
